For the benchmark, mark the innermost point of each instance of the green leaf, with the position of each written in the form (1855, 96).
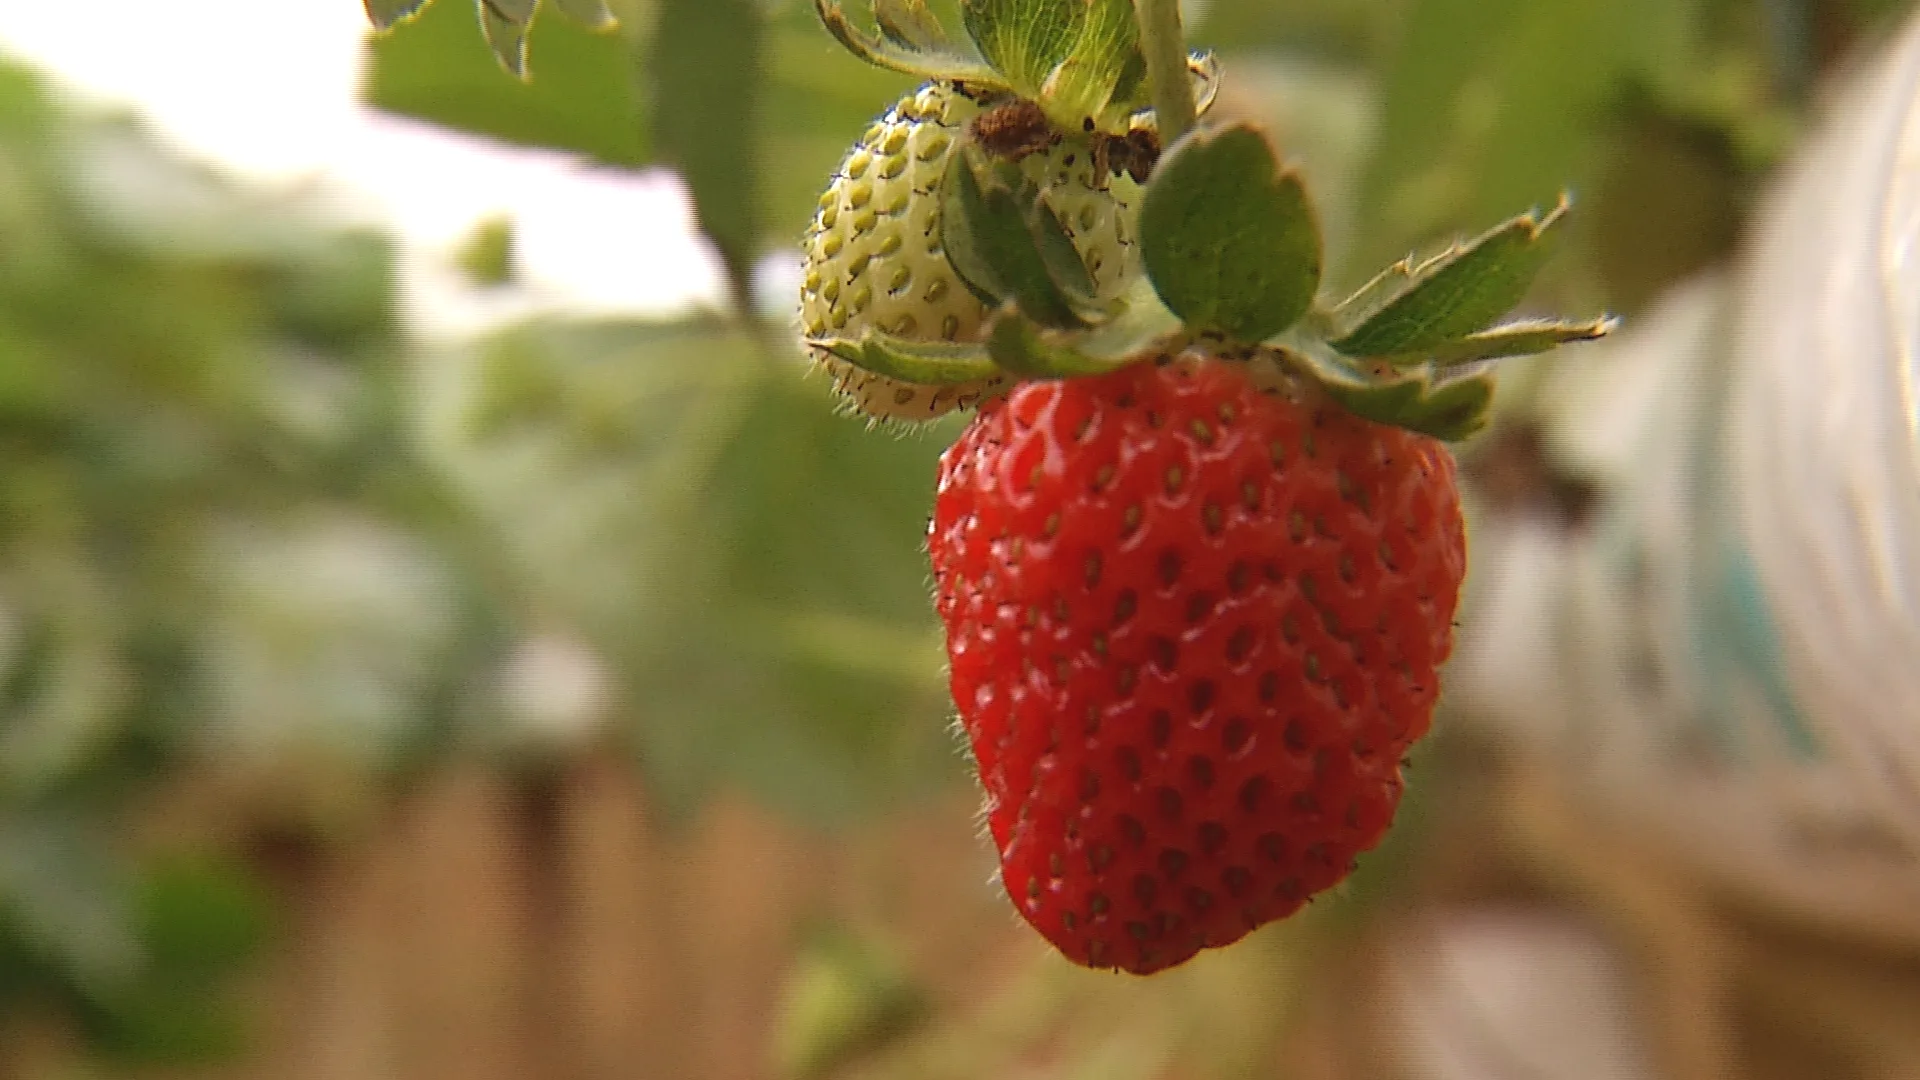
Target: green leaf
(1459, 292)
(1452, 409)
(708, 76)
(924, 363)
(1006, 243)
(1024, 349)
(1229, 238)
(1526, 338)
(1061, 259)
(587, 97)
(388, 13)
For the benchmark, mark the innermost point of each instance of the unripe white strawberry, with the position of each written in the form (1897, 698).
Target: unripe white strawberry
(874, 257)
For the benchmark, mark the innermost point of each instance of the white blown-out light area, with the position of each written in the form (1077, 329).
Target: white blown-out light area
(267, 92)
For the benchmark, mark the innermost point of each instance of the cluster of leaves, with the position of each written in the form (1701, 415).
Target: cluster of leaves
(1233, 253)
(1078, 62)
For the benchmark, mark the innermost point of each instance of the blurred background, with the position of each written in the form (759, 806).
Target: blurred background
(443, 633)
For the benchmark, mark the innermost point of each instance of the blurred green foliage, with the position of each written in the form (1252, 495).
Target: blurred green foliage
(487, 256)
(745, 562)
(847, 994)
(198, 390)
(587, 96)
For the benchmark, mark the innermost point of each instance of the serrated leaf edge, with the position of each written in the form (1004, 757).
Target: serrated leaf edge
(1391, 286)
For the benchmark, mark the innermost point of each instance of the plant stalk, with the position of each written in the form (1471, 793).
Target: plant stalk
(1164, 44)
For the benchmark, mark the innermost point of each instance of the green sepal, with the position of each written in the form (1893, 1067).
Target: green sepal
(1007, 244)
(950, 60)
(1018, 346)
(1078, 59)
(1103, 77)
(1410, 309)
(923, 363)
(1525, 338)
(1228, 236)
(1450, 405)
(1137, 323)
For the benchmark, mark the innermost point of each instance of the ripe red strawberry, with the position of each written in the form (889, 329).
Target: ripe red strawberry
(1193, 629)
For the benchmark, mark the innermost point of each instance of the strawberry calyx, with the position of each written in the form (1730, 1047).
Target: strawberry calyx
(911, 40)
(1080, 63)
(1232, 255)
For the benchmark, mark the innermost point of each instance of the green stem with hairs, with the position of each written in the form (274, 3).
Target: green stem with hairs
(1164, 45)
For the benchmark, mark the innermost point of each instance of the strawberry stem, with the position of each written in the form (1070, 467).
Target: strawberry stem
(1164, 45)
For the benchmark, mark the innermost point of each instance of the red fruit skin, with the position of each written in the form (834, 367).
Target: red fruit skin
(1193, 629)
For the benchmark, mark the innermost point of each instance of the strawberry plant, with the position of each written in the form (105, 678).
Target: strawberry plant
(1198, 553)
